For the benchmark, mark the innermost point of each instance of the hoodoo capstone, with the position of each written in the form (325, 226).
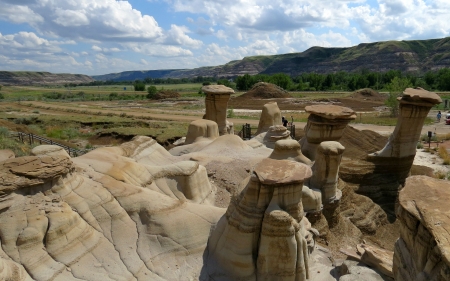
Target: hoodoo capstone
(325, 123)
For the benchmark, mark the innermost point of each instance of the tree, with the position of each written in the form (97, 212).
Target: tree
(244, 83)
(151, 92)
(139, 86)
(281, 80)
(395, 88)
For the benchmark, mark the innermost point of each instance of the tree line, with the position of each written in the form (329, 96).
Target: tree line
(345, 81)
(339, 81)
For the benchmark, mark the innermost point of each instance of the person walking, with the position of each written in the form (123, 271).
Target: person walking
(439, 115)
(284, 121)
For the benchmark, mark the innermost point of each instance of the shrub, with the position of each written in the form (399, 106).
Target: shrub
(230, 113)
(419, 145)
(1, 96)
(152, 90)
(139, 86)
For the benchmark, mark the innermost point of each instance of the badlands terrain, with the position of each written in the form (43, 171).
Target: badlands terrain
(339, 204)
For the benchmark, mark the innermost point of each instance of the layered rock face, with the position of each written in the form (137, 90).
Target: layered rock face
(325, 123)
(414, 107)
(108, 215)
(270, 116)
(423, 250)
(202, 129)
(264, 234)
(216, 102)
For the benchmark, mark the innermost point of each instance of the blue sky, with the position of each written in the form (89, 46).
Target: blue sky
(104, 36)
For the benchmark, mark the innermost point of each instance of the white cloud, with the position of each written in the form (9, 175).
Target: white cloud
(99, 20)
(177, 36)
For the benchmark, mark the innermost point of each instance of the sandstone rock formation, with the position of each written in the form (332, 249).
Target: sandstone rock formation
(274, 134)
(107, 215)
(289, 149)
(262, 235)
(380, 175)
(201, 129)
(325, 177)
(423, 250)
(216, 102)
(414, 107)
(270, 116)
(325, 123)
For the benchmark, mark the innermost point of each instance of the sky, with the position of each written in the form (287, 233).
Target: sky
(96, 37)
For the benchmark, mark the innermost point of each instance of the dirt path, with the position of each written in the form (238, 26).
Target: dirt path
(438, 128)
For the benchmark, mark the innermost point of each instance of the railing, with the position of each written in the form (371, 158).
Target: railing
(31, 138)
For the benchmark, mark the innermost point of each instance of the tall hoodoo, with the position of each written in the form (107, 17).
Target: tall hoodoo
(325, 123)
(216, 102)
(414, 107)
(264, 234)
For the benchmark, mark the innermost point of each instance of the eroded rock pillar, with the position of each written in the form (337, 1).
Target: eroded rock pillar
(325, 177)
(263, 235)
(325, 123)
(216, 102)
(270, 116)
(414, 107)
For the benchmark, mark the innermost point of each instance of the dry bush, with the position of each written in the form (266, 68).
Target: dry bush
(443, 153)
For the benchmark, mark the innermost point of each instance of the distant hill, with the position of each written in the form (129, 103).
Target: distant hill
(407, 56)
(41, 78)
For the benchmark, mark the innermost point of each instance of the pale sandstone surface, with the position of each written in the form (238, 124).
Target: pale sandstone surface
(289, 149)
(423, 251)
(216, 103)
(201, 129)
(6, 154)
(90, 218)
(331, 111)
(270, 116)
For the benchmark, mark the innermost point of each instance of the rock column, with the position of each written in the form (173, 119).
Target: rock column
(263, 235)
(325, 123)
(270, 116)
(216, 102)
(414, 107)
(325, 177)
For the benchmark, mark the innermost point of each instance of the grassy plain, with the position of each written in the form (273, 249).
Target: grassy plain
(81, 120)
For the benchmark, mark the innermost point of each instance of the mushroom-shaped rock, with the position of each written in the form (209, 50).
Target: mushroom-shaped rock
(216, 102)
(270, 116)
(268, 212)
(274, 134)
(414, 107)
(423, 250)
(289, 149)
(325, 123)
(200, 130)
